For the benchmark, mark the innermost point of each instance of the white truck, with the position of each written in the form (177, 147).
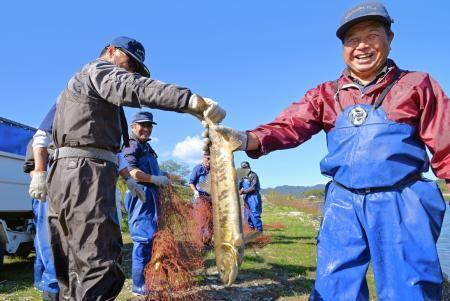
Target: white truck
(16, 214)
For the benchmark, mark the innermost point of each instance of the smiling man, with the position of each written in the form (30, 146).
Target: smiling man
(142, 215)
(378, 207)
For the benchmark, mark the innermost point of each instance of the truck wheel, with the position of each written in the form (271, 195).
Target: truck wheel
(2, 254)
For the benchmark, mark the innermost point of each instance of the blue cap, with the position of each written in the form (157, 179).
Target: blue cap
(134, 49)
(363, 12)
(143, 117)
(245, 164)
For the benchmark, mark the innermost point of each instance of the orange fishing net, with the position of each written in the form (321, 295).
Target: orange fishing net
(183, 231)
(255, 238)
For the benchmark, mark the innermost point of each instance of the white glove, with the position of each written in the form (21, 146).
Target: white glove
(135, 189)
(160, 180)
(214, 113)
(239, 136)
(196, 194)
(205, 108)
(38, 185)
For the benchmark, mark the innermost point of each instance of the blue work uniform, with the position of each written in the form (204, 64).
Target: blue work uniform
(142, 217)
(379, 208)
(252, 200)
(44, 269)
(198, 175)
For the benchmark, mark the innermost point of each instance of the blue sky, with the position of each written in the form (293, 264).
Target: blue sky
(254, 57)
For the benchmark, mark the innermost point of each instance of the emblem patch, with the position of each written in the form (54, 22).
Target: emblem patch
(357, 116)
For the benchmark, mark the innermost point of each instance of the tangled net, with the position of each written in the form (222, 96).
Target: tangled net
(260, 240)
(183, 231)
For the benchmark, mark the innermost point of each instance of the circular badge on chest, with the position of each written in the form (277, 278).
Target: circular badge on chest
(357, 116)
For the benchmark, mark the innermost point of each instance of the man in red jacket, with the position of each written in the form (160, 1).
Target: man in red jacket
(378, 119)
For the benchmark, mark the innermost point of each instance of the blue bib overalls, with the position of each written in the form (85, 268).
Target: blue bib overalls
(142, 219)
(378, 209)
(252, 207)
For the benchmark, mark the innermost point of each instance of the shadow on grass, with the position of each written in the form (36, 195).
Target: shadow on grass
(127, 251)
(262, 291)
(16, 274)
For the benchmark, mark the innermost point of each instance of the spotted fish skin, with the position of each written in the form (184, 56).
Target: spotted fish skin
(226, 204)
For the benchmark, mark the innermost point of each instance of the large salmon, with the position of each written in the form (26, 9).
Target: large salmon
(226, 204)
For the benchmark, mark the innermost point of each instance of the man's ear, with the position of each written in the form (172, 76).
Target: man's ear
(391, 37)
(110, 50)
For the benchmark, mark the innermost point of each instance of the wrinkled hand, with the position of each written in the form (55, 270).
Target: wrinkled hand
(135, 189)
(38, 185)
(239, 136)
(196, 194)
(205, 108)
(160, 180)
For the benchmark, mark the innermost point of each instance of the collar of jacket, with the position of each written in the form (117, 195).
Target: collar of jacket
(387, 66)
(134, 137)
(383, 81)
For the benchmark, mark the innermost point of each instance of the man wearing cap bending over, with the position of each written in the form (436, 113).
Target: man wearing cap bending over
(142, 215)
(198, 175)
(201, 201)
(378, 119)
(249, 187)
(89, 122)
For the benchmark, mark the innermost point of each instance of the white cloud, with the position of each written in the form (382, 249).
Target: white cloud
(189, 150)
(154, 140)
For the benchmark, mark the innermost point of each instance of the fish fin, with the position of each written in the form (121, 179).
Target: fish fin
(234, 143)
(239, 242)
(250, 237)
(205, 185)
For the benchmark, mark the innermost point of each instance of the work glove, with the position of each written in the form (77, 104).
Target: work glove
(38, 185)
(196, 194)
(239, 136)
(135, 189)
(205, 108)
(160, 180)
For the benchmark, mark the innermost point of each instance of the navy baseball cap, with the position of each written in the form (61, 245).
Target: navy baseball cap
(143, 117)
(363, 12)
(245, 164)
(134, 49)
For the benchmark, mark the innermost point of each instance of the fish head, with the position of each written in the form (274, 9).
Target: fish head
(228, 264)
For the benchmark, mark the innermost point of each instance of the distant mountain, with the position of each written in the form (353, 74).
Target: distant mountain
(292, 190)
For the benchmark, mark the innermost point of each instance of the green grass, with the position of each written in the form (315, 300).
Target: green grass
(290, 258)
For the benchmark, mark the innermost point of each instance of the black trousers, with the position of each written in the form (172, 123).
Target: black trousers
(85, 237)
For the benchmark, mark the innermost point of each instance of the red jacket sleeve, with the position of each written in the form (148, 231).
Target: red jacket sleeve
(295, 125)
(434, 125)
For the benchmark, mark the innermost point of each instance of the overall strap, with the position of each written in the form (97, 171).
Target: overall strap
(124, 126)
(152, 151)
(336, 94)
(383, 94)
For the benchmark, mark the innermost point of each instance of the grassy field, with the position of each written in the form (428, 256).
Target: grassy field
(284, 269)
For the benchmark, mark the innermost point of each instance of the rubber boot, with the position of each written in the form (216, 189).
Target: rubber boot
(138, 288)
(47, 296)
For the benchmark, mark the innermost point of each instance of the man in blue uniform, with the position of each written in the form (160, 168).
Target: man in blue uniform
(198, 175)
(142, 216)
(44, 269)
(201, 202)
(249, 187)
